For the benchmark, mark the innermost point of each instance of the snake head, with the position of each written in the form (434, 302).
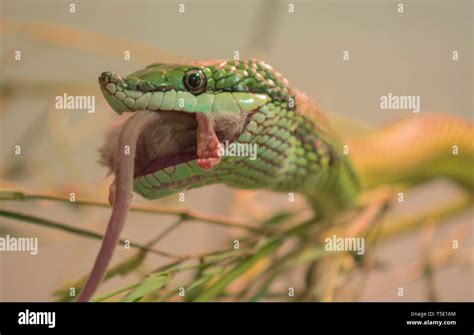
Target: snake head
(201, 87)
(199, 107)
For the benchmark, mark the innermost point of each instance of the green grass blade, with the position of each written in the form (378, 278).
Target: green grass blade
(239, 270)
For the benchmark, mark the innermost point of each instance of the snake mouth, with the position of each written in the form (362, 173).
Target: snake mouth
(176, 148)
(178, 137)
(185, 140)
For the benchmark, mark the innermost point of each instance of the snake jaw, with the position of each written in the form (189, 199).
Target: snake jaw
(178, 149)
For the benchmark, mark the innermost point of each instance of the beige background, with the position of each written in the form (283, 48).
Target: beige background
(406, 54)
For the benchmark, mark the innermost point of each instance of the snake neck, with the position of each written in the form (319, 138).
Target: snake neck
(296, 152)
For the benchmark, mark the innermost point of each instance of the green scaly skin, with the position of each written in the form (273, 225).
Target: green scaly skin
(295, 150)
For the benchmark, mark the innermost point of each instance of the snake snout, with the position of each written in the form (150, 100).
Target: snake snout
(109, 77)
(104, 78)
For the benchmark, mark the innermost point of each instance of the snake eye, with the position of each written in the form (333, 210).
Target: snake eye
(195, 81)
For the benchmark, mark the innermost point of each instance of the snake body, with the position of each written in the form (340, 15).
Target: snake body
(417, 149)
(247, 102)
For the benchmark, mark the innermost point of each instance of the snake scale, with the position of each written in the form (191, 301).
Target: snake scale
(181, 114)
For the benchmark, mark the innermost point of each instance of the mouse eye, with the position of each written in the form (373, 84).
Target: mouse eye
(195, 81)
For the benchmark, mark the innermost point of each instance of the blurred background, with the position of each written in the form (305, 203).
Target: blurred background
(64, 50)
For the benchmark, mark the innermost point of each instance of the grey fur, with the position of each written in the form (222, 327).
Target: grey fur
(171, 133)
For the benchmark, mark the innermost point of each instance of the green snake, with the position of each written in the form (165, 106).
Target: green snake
(186, 112)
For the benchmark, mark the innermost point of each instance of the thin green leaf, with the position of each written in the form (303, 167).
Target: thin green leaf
(78, 231)
(309, 256)
(239, 270)
(278, 218)
(122, 269)
(149, 285)
(201, 281)
(222, 255)
(106, 296)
